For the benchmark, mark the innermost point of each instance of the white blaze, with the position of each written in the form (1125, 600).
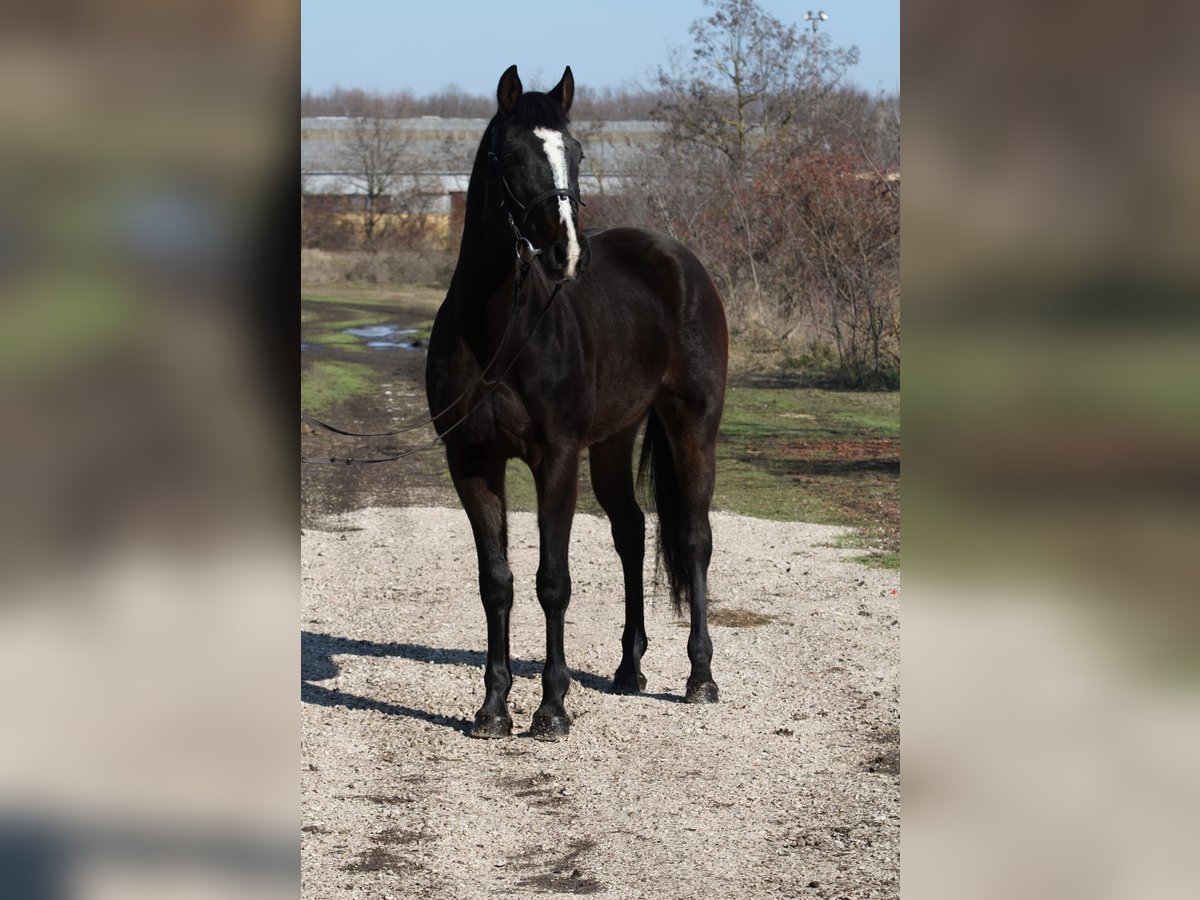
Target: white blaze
(556, 154)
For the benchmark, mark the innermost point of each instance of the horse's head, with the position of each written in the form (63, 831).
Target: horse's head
(535, 172)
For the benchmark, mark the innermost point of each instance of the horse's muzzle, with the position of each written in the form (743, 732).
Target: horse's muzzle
(564, 263)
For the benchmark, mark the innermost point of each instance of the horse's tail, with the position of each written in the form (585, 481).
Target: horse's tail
(657, 465)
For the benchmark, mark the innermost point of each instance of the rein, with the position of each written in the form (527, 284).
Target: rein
(518, 284)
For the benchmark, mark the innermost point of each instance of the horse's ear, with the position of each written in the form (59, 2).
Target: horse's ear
(509, 91)
(564, 92)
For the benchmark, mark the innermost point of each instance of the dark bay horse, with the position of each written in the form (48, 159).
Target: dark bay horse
(570, 346)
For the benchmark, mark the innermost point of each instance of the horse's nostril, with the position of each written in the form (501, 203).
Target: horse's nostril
(558, 254)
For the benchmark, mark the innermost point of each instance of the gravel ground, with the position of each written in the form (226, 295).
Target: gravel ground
(789, 787)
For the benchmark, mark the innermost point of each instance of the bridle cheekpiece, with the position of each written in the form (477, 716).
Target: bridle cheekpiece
(526, 251)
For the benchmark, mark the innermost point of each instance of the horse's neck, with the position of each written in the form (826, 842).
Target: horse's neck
(483, 268)
(484, 288)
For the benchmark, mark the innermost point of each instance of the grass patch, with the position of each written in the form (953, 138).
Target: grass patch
(421, 299)
(811, 455)
(876, 557)
(889, 560)
(382, 303)
(422, 329)
(338, 339)
(328, 382)
(753, 413)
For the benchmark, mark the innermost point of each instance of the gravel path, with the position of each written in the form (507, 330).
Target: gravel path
(788, 787)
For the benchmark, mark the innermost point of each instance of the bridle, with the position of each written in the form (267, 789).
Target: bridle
(508, 196)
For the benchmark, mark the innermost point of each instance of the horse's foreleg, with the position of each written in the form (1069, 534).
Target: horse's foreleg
(557, 484)
(612, 480)
(480, 484)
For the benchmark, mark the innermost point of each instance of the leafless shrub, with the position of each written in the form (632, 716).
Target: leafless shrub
(779, 178)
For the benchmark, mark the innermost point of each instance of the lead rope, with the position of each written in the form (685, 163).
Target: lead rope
(518, 283)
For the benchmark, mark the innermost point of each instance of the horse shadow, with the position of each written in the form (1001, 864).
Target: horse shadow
(316, 664)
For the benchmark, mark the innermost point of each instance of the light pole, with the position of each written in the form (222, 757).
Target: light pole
(816, 19)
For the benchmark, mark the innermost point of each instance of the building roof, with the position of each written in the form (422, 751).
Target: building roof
(443, 150)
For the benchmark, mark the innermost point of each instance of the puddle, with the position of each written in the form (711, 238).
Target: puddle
(378, 331)
(404, 345)
(386, 337)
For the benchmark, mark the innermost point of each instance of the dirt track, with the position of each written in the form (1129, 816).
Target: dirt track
(788, 787)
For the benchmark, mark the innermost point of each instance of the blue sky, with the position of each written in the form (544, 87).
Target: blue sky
(427, 45)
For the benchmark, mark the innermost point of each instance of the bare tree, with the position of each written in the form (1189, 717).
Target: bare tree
(779, 176)
(373, 158)
(847, 249)
(747, 75)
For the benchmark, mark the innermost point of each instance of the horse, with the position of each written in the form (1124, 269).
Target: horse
(571, 346)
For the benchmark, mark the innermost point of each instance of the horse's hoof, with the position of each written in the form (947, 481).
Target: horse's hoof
(487, 725)
(628, 683)
(547, 727)
(701, 692)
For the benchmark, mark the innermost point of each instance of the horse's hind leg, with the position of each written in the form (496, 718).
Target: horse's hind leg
(694, 447)
(698, 539)
(612, 480)
(479, 481)
(557, 479)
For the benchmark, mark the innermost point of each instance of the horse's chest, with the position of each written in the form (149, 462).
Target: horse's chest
(539, 401)
(528, 424)
(515, 424)
(511, 421)
(492, 417)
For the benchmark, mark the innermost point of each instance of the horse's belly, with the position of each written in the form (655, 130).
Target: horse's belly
(619, 410)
